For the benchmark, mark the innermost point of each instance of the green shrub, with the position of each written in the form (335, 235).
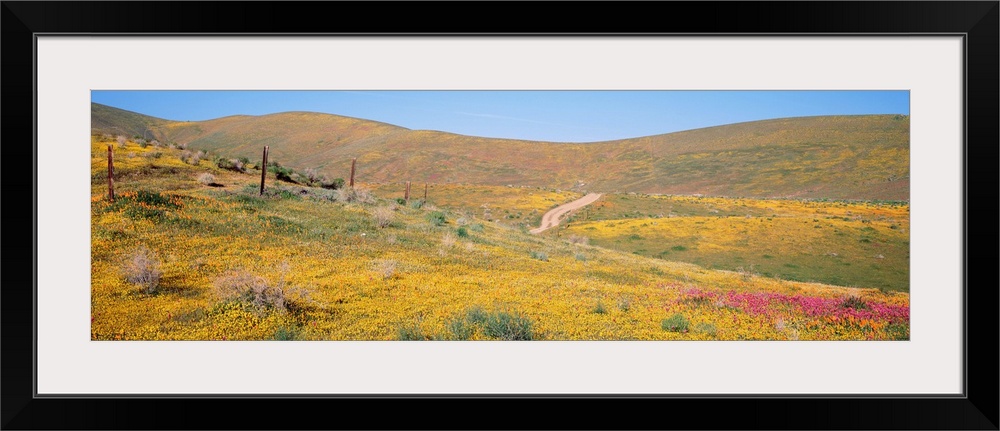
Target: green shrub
(281, 173)
(463, 232)
(286, 175)
(599, 308)
(855, 303)
(706, 328)
(411, 332)
(476, 315)
(285, 333)
(495, 325)
(540, 256)
(675, 323)
(143, 205)
(334, 184)
(416, 204)
(506, 326)
(401, 201)
(154, 199)
(897, 331)
(236, 165)
(460, 329)
(476, 227)
(436, 218)
(281, 193)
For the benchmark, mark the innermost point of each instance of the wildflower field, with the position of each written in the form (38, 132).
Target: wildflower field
(190, 250)
(844, 243)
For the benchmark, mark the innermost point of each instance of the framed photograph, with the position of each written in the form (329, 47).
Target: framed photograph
(771, 218)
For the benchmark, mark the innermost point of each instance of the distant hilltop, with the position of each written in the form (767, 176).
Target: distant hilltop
(858, 157)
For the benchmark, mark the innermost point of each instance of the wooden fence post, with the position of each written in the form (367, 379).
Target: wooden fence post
(111, 173)
(263, 171)
(353, 161)
(406, 195)
(425, 192)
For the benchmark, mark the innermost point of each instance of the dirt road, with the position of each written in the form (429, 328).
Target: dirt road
(551, 218)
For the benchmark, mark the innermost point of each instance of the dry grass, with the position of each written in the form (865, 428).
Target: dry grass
(143, 269)
(356, 194)
(254, 290)
(385, 268)
(448, 240)
(206, 179)
(383, 216)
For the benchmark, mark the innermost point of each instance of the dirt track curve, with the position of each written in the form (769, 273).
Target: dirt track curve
(551, 218)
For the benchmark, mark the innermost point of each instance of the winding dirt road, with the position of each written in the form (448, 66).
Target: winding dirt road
(551, 218)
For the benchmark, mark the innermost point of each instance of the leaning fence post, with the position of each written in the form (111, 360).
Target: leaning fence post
(353, 161)
(111, 172)
(263, 171)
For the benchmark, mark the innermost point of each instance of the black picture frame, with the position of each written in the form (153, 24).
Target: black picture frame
(976, 21)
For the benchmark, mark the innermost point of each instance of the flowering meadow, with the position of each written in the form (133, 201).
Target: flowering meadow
(854, 244)
(179, 255)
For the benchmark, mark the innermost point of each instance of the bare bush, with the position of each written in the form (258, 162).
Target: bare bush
(356, 195)
(192, 158)
(383, 216)
(385, 267)
(448, 240)
(242, 286)
(121, 141)
(143, 269)
(314, 177)
(748, 273)
(206, 179)
(578, 239)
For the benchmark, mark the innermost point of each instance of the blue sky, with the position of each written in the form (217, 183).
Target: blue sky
(560, 116)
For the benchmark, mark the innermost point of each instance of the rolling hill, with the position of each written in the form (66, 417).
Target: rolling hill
(186, 250)
(834, 157)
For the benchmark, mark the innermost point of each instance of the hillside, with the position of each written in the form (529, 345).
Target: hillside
(113, 121)
(836, 157)
(189, 251)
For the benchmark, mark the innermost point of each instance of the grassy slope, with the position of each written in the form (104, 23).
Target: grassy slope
(113, 121)
(862, 244)
(347, 278)
(518, 207)
(838, 157)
